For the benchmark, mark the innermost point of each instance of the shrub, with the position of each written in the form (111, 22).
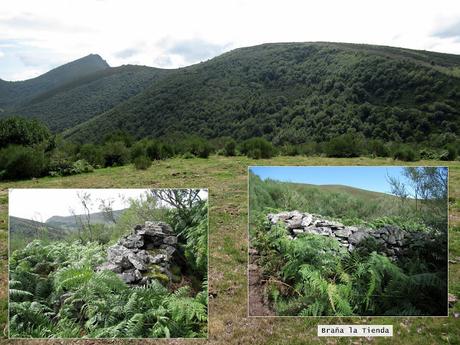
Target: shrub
(59, 164)
(138, 150)
(188, 155)
(62, 166)
(92, 154)
(19, 162)
(291, 150)
(115, 154)
(230, 148)
(142, 163)
(405, 153)
(21, 131)
(198, 147)
(156, 150)
(257, 148)
(450, 153)
(153, 150)
(81, 166)
(378, 148)
(345, 145)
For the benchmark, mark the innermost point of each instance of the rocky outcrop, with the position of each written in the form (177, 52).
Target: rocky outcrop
(391, 239)
(147, 253)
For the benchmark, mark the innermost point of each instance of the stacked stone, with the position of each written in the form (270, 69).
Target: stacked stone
(391, 238)
(150, 246)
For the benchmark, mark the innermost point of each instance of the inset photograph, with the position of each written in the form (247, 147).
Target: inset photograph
(108, 263)
(348, 241)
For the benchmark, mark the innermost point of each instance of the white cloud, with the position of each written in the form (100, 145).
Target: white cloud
(179, 32)
(41, 204)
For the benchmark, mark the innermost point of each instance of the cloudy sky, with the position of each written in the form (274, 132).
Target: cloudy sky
(36, 36)
(40, 204)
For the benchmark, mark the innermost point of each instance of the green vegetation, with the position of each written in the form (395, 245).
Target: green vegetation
(56, 292)
(315, 276)
(227, 182)
(342, 100)
(15, 93)
(298, 93)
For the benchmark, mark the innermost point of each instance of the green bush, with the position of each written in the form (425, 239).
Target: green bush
(291, 150)
(405, 153)
(60, 165)
(115, 154)
(138, 149)
(93, 154)
(257, 148)
(142, 163)
(188, 155)
(20, 162)
(450, 153)
(378, 148)
(345, 145)
(230, 148)
(21, 131)
(81, 166)
(157, 150)
(198, 147)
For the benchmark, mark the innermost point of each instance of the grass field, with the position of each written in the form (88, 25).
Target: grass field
(226, 179)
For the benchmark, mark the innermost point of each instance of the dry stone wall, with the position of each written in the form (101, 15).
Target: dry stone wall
(147, 253)
(392, 240)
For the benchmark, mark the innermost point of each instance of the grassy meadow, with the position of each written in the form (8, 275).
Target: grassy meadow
(226, 178)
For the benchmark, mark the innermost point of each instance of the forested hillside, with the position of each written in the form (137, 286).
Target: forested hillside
(15, 93)
(81, 99)
(296, 93)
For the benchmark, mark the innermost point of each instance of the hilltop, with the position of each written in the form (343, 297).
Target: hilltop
(288, 93)
(296, 93)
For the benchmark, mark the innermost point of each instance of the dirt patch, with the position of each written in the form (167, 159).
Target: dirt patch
(258, 305)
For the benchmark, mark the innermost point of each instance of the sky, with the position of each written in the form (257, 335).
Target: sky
(41, 204)
(368, 178)
(36, 36)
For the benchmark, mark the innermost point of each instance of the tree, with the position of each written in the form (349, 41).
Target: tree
(84, 221)
(181, 199)
(428, 188)
(21, 131)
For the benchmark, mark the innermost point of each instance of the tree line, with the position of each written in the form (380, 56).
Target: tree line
(28, 149)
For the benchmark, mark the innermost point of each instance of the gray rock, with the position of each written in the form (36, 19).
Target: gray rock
(118, 255)
(171, 240)
(391, 239)
(358, 236)
(158, 258)
(297, 231)
(294, 223)
(132, 241)
(129, 276)
(169, 250)
(343, 233)
(110, 267)
(324, 231)
(306, 220)
(137, 262)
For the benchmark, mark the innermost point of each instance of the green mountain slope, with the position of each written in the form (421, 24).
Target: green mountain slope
(32, 229)
(71, 223)
(85, 97)
(362, 194)
(15, 93)
(295, 93)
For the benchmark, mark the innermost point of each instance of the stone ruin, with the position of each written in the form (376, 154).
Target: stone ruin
(148, 253)
(392, 239)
